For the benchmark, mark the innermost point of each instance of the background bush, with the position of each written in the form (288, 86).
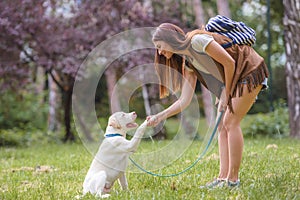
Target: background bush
(25, 110)
(275, 93)
(23, 118)
(274, 124)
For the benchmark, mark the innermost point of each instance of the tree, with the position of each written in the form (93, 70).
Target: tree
(56, 41)
(291, 22)
(59, 41)
(44, 41)
(223, 8)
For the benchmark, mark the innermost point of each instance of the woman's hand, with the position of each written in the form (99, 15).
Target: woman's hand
(223, 101)
(152, 120)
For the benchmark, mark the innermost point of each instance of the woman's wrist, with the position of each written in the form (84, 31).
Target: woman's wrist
(160, 116)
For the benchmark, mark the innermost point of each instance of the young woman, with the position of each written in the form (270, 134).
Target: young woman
(235, 74)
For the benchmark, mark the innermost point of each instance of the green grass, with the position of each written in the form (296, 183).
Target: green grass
(266, 173)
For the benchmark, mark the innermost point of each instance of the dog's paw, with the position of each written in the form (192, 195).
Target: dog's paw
(144, 125)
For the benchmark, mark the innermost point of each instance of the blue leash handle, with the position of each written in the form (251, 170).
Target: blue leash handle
(193, 164)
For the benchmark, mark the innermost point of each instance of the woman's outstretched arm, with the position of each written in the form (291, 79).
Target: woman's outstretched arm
(187, 92)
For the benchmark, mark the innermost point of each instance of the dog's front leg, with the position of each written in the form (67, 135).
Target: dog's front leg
(132, 145)
(123, 181)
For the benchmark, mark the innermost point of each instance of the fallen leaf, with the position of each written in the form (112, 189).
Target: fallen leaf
(272, 146)
(213, 156)
(44, 168)
(22, 169)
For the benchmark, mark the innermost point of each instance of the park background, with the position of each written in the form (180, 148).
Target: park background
(43, 44)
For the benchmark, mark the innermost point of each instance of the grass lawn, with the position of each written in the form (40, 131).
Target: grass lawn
(270, 170)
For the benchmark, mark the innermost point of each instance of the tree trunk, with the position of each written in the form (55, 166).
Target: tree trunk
(39, 80)
(206, 96)
(54, 102)
(292, 45)
(65, 84)
(67, 112)
(199, 13)
(223, 8)
(111, 81)
(146, 100)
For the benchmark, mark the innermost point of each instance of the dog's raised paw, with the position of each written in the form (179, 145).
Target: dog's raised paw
(144, 124)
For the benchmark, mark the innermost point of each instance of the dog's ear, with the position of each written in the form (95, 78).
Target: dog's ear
(114, 123)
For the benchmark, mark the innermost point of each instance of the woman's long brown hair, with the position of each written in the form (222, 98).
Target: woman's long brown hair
(170, 71)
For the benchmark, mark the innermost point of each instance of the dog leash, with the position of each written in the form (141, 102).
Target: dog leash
(193, 164)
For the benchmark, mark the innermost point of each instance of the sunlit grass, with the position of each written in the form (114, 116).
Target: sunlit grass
(270, 170)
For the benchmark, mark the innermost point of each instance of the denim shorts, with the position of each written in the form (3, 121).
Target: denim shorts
(264, 83)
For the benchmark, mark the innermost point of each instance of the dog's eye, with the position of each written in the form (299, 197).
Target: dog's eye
(123, 114)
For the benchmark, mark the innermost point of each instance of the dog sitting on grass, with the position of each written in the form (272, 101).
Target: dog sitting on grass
(111, 160)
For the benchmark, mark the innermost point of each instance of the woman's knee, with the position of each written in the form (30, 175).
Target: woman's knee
(230, 123)
(221, 130)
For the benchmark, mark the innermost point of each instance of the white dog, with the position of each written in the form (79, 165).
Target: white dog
(111, 159)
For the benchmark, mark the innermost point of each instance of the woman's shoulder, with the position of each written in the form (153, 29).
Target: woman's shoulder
(201, 37)
(199, 41)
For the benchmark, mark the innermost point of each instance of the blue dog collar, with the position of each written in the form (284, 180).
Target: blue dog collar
(113, 135)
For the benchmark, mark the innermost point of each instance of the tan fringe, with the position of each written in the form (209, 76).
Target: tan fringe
(254, 79)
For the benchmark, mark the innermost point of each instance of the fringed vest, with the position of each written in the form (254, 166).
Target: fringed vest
(250, 68)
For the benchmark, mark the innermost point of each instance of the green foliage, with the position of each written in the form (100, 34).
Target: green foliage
(20, 137)
(12, 137)
(269, 170)
(275, 92)
(23, 118)
(22, 110)
(275, 124)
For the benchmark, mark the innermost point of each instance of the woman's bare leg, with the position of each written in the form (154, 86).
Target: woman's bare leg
(223, 150)
(231, 121)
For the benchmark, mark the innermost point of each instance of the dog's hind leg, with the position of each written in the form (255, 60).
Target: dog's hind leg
(97, 183)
